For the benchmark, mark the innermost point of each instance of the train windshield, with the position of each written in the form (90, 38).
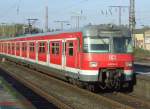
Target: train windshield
(122, 45)
(107, 44)
(96, 45)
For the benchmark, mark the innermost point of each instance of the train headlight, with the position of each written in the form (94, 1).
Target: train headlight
(129, 64)
(93, 64)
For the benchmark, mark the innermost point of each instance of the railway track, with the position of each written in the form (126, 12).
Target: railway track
(142, 87)
(61, 94)
(128, 100)
(67, 96)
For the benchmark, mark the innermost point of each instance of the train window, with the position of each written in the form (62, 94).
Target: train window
(2, 47)
(49, 48)
(70, 49)
(8, 46)
(31, 44)
(96, 45)
(42, 47)
(24, 46)
(122, 45)
(17, 46)
(5, 46)
(55, 48)
(13, 46)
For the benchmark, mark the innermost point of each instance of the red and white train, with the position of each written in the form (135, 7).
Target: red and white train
(97, 55)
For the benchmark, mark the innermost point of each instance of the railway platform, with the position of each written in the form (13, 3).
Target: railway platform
(11, 99)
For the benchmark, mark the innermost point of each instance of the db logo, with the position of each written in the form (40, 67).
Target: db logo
(112, 57)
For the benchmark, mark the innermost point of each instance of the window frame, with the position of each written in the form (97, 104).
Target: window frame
(42, 47)
(71, 47)
(17, 46)
(9, 46)
(55, 48)
(31, 46)
(13, 46)
(24, 46)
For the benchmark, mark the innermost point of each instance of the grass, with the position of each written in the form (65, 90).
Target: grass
(140, 53)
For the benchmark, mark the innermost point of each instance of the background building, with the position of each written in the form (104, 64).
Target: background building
(142, 38)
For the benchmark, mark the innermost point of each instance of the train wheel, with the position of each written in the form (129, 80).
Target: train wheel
(72, 81)
(91, 87)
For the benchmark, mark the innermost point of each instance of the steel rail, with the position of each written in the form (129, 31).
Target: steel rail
(103, 101)
(39, 91)
(128, 100)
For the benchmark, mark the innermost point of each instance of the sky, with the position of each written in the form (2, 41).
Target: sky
(93, 11)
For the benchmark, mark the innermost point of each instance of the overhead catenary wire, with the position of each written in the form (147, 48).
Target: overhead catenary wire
(69, 7)
(10, 9)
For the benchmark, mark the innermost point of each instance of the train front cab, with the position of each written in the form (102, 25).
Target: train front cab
(107, 58)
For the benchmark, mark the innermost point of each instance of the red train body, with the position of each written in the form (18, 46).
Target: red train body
(97, 54)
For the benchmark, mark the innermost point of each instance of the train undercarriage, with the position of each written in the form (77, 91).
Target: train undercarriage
(115, 79)
(108, 79)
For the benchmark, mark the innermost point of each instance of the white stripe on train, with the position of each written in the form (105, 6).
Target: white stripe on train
(73, 70)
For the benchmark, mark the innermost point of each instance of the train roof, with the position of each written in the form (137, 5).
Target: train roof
(106, 31)
(89, 30)
(39, 34)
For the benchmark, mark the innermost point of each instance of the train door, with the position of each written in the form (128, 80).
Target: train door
(0, 47)
(9, 48)
(56, 52)
(42, 51)
(18, 48)
(24, 49)
(32, 50)
(13, 48)
(4, 48)
(72, 53)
